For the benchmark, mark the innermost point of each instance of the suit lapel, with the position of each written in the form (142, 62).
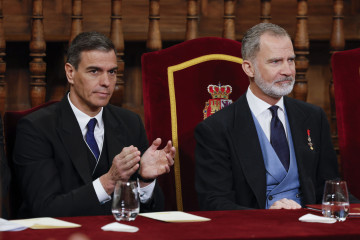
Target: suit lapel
(248, 150)
(115, 133)
(299, 123)
(71, 137)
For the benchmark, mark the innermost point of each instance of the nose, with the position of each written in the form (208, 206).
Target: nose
(288, 69)
(105, 80)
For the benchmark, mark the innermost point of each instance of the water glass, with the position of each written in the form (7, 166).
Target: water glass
(125, 205)
(335, 202)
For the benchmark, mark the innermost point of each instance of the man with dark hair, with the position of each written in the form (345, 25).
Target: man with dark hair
(265, 150)
(70, 155)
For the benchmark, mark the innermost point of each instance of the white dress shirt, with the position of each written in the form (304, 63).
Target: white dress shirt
(145, 193)
(261, 111)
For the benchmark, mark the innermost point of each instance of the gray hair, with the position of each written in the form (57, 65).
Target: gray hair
(87, 41)
(251, 40)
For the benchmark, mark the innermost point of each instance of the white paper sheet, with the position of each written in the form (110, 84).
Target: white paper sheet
(317, 219)
(119, 227)
(174, 216)
(45, 223)
(6, 225)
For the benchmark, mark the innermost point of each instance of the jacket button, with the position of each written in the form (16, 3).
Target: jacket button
(297, 195)
(270, 197)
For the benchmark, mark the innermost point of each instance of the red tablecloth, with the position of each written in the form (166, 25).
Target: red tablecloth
(245, 224)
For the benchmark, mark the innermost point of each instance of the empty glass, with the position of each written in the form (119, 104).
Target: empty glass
(125, 205)
(335, 202)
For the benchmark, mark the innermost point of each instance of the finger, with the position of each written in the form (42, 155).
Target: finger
(155, 144)
(168, 147)
(128, 150)
(125, 175)
(293, 204)
(289, 204)
(173, 151)
(170, 160)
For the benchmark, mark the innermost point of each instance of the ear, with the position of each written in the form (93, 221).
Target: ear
(70, 73)
(248, 68)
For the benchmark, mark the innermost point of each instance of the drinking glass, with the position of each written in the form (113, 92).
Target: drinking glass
(335, 202)
(125, 205)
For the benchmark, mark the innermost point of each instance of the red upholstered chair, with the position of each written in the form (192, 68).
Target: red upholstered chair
(176, 86)
(346, 76)
(11, 119)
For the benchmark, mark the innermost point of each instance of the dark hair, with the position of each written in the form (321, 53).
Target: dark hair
(251, 40)
(87, 41)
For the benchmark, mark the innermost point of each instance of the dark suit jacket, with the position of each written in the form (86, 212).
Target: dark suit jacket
(51, 160)
(5, 176)
(230, 170)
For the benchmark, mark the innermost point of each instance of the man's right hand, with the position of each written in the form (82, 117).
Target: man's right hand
(123, 166)
(285, 204)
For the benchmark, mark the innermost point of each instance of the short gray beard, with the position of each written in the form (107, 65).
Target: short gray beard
(271, 89)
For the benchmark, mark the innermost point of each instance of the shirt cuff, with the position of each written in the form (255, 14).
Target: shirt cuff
(100, 192)
(146, 193)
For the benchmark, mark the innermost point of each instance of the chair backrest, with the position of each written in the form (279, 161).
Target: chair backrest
(177, 82)
(11, 119)
(346, 77)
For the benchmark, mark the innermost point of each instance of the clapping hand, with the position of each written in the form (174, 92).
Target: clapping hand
(156, 162)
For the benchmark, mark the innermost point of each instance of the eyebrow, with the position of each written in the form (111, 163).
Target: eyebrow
(279, 58)
(99, 68)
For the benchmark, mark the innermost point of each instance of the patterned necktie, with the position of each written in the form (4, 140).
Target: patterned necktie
(90, 139)
(278, 138)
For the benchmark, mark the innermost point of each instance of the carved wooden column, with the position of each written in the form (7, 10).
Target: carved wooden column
(117, 37)
(204, 7)
(76, 19)
(37, 52)
(154, 37)
(2, 62)
(301, 45)
(192, 20)
(337, 43)
(229, 19)
(265, 11)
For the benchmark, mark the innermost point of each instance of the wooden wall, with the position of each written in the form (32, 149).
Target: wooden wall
(96, 17)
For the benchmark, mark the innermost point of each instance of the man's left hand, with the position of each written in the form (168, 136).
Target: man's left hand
(156, 162)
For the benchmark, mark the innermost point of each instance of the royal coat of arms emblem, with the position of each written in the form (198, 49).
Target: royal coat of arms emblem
(220, 99)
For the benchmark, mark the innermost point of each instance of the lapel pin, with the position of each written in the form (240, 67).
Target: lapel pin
(309, 140)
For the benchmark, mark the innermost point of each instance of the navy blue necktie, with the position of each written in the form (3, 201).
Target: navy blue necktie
(90, 139)
(278, 138)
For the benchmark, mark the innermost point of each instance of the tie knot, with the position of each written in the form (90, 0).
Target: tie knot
(91, 124)
(273, 110)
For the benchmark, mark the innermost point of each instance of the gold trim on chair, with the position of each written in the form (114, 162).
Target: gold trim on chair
(174, 131)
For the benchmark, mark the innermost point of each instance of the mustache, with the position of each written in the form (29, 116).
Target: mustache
(289, 78)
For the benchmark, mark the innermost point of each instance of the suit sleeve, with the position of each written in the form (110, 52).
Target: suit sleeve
(40, 180)
(214, 180)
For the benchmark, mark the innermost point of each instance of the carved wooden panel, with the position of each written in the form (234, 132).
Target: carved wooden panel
(265, 11)
(37, 52)
(192, 19)
(153, 42)
(229, 19)
(301, 45)
(57, 18)
(117, 36)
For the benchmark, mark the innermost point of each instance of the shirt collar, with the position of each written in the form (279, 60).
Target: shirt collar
(258, 106)
(83, 118)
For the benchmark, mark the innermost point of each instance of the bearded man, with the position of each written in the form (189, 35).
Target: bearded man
(265, 150)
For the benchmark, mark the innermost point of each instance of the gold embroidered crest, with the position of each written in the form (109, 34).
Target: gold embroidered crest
(220, 99)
